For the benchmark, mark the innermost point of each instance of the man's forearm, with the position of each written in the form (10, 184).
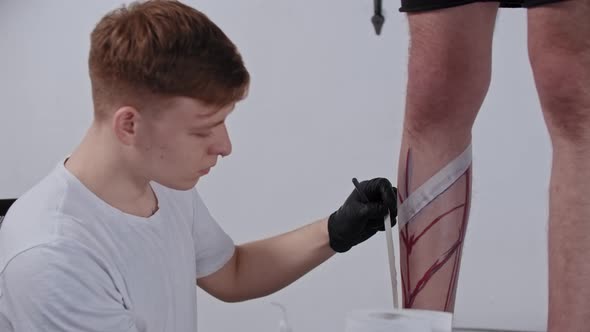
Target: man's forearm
(262, 267)
(266, 266)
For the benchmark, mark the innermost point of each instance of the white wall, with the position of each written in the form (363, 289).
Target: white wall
(325, 105)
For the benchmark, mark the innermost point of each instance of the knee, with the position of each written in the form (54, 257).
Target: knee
(445, 94)
(449, 71)
(562, 76)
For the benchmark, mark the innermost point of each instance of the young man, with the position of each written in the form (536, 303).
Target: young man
(116, 236)
(449, 75)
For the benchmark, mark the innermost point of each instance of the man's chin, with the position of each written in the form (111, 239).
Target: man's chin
(183, 186)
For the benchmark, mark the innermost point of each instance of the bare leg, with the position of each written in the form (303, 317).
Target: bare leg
(559, 50)
(449, 75)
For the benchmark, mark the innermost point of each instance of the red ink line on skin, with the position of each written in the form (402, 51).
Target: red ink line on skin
(404, 292)
(455, 274)
(410, 241)
(405, 239)
(414, 240)
(452, 281)
(408, 258)
(431, 271)
(406, 244)
(407, 182)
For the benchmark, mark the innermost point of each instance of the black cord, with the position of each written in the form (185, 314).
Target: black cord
(378, 18)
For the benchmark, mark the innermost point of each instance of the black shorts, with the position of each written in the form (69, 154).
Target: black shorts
(424, 5)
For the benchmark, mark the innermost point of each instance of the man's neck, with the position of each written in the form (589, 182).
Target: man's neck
(96, 165)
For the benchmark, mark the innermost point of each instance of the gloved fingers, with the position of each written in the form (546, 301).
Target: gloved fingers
(373, 210)
(379, 224)
(389, 196)
(381, 190)
(364, 236)
(373, 188)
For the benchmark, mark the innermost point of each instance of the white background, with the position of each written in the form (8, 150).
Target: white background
(325, 105)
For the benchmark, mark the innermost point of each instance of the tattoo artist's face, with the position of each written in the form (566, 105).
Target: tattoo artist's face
(179, 144)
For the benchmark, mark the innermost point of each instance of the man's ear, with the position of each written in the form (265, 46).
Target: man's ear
(124, 122)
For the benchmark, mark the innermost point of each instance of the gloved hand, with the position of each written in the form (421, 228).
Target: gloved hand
(357, 220)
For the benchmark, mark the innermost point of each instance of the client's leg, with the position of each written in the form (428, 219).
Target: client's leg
(449, 75)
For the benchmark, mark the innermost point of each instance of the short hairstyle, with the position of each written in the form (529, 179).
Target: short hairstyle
(162, 48)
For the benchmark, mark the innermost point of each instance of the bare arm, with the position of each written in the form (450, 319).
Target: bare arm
(263, 267)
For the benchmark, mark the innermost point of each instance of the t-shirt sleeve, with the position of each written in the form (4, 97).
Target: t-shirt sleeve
(213, 246)
(53, 288)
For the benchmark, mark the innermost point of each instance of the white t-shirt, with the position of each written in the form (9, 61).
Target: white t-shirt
(71, 262)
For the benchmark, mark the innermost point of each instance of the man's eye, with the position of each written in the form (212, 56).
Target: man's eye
(203, 135)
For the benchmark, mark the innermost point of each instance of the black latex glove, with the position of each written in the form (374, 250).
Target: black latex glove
(357, 220)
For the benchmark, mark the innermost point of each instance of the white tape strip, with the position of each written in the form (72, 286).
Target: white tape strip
(435, 186)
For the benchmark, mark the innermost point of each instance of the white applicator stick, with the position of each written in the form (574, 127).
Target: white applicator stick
(390, 252)
(391, 256)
